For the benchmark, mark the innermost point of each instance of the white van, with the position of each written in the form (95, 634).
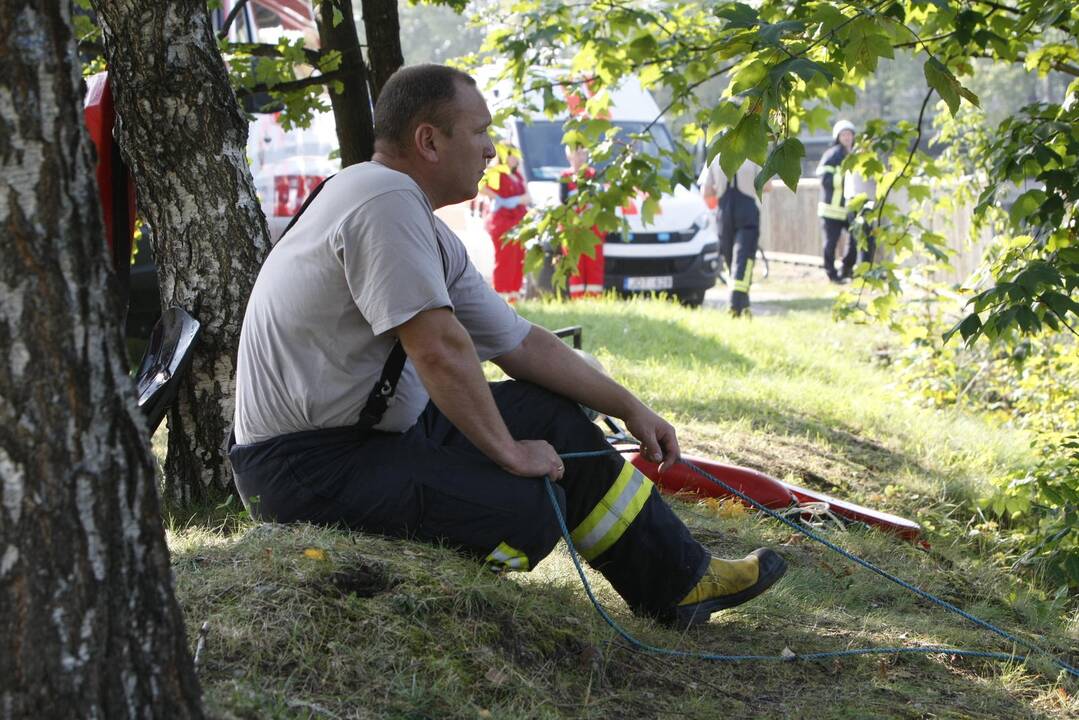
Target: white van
(678, 252)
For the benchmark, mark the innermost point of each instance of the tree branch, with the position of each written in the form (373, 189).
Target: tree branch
(290, 85)
(923, 41)
(906, 165)
(1016, 11)
(1065, 322)
(902, 173)
(1058, 65)
(314, 57)
(224, 33)
(999, 6)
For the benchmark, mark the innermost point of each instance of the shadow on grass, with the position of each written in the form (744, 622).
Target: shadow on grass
(813, 450)
(444, 639)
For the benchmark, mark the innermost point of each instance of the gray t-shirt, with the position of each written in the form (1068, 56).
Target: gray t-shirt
(364, 258)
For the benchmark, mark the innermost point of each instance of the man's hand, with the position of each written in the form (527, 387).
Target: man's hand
(534, 458)
(659, 442)
(546, 361)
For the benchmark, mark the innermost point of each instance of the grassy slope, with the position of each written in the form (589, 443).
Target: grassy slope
(377, 628)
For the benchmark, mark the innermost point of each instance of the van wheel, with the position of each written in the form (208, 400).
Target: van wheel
(691, 298)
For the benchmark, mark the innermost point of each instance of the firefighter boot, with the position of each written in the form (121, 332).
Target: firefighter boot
(727, 583)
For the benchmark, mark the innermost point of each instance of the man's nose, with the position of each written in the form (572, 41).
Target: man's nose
(489, 149)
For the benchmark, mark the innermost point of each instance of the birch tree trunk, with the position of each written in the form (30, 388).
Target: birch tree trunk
(89, 626)
(183, 136)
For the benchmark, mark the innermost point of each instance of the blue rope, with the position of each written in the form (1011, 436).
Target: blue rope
(921, 649)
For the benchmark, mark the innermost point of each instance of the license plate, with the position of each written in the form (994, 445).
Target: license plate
(655, 282)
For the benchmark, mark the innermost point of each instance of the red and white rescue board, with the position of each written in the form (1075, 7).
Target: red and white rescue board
(766, 490)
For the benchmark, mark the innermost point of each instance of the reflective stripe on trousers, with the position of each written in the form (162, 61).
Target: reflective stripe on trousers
(506, 557)
(613, 514)
(743, 284)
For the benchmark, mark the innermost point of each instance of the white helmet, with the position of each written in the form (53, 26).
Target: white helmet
(840, 127)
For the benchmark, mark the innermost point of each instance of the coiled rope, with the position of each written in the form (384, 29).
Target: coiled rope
(918, 650)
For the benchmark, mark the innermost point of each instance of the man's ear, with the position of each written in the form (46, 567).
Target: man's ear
(424, 141)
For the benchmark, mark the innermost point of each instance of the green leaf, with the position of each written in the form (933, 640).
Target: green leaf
(968, 328)
(1027, 320)
(643, 47)
(1060, 304)
(649, 208)
(737, 15)
(819, 118)
(770, 34)
(747, 139)
(747, 75)
(803, 68)
(941, 79)
(1036, 274)
(1026, 204)
(919, 191)
(828, 16)
(724, 115)
(785, 160)
(866, 45)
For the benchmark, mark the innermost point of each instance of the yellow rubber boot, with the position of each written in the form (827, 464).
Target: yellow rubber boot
(724, 577)
(727, 583)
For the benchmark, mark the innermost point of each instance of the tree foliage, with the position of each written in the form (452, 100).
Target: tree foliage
(790, 67)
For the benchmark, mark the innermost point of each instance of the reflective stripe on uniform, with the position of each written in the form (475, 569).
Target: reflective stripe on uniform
(613, 514)
(825, 210)
(834, 210)
(506, 557)
(747, 280)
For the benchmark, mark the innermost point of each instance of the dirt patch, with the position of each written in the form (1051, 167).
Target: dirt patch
(362, 579)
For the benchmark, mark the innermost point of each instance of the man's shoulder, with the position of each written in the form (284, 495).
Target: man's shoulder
(367, 180)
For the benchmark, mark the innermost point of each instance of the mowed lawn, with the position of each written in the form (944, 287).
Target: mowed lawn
(309, 622)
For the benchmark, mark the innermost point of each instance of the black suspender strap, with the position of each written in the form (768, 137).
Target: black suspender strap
(379, 399)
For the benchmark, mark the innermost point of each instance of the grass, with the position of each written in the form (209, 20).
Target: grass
(313, 622)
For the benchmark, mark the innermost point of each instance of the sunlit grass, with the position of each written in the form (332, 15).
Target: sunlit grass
(309, 622)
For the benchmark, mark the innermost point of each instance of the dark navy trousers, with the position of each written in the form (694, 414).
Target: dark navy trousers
(430, 483)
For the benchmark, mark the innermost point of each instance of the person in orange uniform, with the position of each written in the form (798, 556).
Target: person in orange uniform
(589, 278)
(509, 201)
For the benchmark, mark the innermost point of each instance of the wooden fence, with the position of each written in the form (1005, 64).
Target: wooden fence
(790, 229)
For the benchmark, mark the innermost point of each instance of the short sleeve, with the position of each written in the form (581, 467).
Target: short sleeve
(494, 326)
(391, 258)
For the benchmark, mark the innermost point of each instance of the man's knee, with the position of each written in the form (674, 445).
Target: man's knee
(523, 404)
(532, 537)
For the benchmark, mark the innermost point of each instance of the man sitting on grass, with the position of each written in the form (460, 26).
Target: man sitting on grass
(367, 276)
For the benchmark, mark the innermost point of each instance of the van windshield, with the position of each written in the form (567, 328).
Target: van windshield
(545, 156)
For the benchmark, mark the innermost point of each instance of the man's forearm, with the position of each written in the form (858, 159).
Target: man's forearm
(446, 362)
(545, 360)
